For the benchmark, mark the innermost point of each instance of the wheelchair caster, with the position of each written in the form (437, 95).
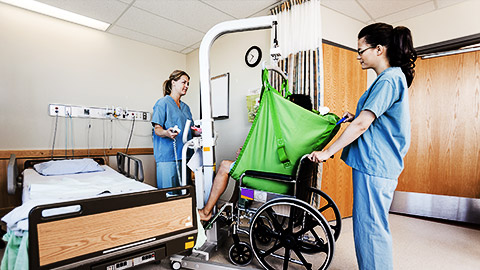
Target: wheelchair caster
(240, 254)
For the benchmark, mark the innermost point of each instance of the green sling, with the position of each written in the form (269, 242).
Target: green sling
(281, 134)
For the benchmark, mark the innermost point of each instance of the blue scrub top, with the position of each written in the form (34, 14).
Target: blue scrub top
(381, 149)
(167, 114)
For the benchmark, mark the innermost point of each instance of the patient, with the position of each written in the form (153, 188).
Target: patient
(221, 178)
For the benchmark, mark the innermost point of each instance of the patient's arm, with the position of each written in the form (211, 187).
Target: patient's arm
(219, 185)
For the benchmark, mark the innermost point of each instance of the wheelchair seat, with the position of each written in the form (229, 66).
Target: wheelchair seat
(306, 176)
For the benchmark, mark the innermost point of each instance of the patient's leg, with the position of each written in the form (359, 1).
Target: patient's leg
(219, 185)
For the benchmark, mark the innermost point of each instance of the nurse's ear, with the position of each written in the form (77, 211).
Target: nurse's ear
(380, 50)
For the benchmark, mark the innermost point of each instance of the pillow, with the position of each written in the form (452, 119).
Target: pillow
(67, 166)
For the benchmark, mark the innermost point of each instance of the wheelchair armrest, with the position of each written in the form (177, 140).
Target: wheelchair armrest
(268, 176)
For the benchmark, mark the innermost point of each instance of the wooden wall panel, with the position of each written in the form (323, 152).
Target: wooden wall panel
(345, 82)
(444, 156)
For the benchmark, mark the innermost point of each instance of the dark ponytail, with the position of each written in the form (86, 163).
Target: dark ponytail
(398, 40)
(175, 76)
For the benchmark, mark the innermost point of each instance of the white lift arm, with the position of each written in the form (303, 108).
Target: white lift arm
(208, 140)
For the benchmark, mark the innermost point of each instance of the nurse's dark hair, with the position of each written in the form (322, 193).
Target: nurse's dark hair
(398, 40)
(175, 76)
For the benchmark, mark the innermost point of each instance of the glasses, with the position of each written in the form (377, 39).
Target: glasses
(360, 52)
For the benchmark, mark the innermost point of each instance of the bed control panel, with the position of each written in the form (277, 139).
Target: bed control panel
(133, 261)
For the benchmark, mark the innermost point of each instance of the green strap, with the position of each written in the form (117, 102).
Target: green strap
(280, 142)
(282, 154)
(266, 84)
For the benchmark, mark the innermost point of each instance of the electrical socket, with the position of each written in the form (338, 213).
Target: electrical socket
(68, 111)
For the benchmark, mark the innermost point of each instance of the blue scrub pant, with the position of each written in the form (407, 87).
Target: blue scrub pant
(372, 197)
(167, 175)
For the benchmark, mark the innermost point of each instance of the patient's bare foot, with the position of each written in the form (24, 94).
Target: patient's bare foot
(204, 216)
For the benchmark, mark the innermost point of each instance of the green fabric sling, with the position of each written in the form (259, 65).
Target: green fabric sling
(281, 134)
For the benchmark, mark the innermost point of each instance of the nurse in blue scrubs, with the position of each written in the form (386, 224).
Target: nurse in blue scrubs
(376, 141)
(168, 112)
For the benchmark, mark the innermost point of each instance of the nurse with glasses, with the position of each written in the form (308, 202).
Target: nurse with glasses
(376, 141)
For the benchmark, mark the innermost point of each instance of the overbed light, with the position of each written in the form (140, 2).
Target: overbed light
(58, 13)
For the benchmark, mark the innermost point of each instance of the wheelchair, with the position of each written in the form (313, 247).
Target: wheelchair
(286, 230)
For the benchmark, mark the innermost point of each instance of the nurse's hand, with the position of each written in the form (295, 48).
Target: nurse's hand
(319, 156)
(171, 133)
(348, 117)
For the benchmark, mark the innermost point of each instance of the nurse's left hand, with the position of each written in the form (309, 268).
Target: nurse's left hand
(319, 156)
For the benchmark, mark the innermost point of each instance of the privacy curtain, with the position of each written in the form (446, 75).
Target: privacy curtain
(299, 37)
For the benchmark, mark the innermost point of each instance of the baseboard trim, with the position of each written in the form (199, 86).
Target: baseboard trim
(437, 206)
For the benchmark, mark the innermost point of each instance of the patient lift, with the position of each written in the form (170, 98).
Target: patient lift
(286, 223)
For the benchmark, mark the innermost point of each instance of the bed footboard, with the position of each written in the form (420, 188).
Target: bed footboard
(108, 232)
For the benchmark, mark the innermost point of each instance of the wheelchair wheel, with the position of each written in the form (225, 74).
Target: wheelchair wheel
(240, 254)
(300, 236)
(262, 230)
(328, 209)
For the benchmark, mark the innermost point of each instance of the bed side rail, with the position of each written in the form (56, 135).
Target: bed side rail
(99, 233)
(130, 166)
(13, 180)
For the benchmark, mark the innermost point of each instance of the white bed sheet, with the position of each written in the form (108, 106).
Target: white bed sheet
(39, 189)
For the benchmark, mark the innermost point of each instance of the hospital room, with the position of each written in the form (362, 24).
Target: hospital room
(240, 134)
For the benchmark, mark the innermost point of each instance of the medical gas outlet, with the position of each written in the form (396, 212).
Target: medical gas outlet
(98, 113)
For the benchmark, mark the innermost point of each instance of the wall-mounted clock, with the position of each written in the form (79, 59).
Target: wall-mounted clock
(253, 56)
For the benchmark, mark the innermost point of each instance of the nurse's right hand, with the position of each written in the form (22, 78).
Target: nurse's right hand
(171, 133)
(348, 117)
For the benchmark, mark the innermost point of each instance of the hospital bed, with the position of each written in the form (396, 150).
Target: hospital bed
(99, 220)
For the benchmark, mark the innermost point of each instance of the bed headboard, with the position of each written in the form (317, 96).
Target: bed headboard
(12, 175)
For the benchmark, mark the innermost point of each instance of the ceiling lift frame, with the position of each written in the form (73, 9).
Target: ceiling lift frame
(208, 140)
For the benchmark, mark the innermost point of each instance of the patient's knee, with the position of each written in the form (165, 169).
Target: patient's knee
(225, 166)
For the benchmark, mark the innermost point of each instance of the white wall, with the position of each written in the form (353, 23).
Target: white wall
(46, 60)
(444, 24)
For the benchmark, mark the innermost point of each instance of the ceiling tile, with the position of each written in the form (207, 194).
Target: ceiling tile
(378, 9)
(105, 10)
(408, 13)
(350, 8)
(126, 33)
(243, 8)
(446, 3)
(156, 26)
(191, 13)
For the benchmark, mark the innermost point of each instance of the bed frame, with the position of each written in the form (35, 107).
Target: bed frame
(111, 232)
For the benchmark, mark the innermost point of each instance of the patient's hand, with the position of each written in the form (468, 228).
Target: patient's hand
(238, 152)
(204, 216)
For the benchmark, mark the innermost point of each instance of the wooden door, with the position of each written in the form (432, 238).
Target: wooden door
(444, 156)
(345, 82)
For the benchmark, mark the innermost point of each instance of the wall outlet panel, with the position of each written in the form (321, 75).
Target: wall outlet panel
(98, 113)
